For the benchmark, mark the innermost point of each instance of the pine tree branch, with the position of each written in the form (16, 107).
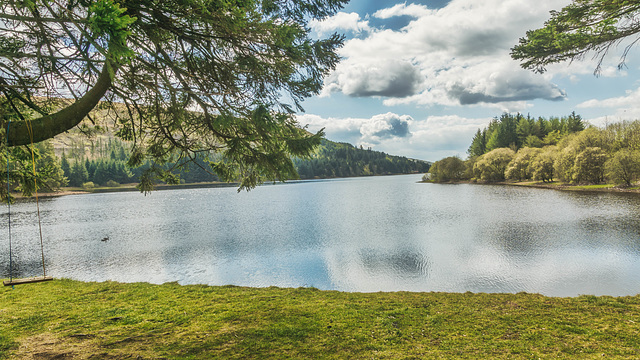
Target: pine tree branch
(51, 125)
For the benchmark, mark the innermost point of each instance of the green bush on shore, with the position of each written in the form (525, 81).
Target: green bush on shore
(573, 154)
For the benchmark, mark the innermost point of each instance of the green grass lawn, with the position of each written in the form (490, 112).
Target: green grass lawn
(591, 187)
(65, 319)
(570, 187)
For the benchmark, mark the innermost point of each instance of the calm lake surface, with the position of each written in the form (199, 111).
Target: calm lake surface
(359, 234)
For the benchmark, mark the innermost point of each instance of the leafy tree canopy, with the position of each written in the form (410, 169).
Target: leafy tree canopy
(580, 28)
(178, 77)
(451, 168)
(516, 131)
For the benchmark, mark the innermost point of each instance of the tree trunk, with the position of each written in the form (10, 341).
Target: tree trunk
(51, 125)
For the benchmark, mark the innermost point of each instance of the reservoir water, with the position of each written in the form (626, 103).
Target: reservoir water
(358, 234)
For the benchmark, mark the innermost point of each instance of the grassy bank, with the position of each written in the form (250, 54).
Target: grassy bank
(66, 319)
(555, 185)
(126, 188)
(573, 187)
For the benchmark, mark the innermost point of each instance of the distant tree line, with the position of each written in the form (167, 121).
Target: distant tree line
(104, 162)
(48, 174)
(514, 147)
(345, 160)
(517, 131)
(100, 163)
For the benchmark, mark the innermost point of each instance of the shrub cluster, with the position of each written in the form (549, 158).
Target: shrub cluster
(590, 156)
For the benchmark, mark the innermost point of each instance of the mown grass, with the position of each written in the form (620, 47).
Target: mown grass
(133, 187)
(71, 319)
(558, 185)
(591, 187)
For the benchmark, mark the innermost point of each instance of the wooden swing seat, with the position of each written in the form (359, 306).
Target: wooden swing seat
(27, 280)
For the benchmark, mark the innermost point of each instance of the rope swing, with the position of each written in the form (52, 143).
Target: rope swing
(44, 276)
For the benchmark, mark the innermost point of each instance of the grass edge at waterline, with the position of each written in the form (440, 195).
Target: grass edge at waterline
(81, 320)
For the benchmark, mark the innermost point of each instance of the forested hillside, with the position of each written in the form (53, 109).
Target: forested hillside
(102, 160)
(344, 160)
(515, 147)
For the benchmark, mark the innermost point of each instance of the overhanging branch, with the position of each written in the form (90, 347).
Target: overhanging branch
(51, 125)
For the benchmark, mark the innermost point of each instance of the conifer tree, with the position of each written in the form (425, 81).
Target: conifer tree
(178, 78)
(580, 28)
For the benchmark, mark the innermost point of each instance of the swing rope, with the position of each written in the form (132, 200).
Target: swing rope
(9, 213)
(35, 184)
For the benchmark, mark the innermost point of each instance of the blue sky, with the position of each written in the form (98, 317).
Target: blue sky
(419, 78)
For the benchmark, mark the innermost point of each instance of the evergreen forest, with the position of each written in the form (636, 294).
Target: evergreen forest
(103, 161)
(344, 160)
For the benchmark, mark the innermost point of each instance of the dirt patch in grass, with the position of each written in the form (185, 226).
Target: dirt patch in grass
(47, 346)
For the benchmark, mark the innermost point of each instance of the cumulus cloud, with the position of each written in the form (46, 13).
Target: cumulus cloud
(412, 10)
(441, 136)
(504, 86)
(429, 139)
(474, 28)
(385, 126)
(625, 107)
(336, 129)
(361, 131)
(340, 21)
(631, 99)
(456, 55)
(388, 78)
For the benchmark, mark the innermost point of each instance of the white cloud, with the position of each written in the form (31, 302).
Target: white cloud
(412, 10)
(458, 55)
(429, 139)
(632, 99)
(389, 77)
(340, 21)
(385, 126)
(488, 83)
(450, 132)
(452, 60)
(573, 69)
(624, 108)
(359, 131)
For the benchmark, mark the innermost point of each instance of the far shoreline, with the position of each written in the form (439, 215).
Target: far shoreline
(123, 188)
(555, 185)
(159, 187)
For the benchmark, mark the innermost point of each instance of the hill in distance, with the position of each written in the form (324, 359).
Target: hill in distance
(104, 157)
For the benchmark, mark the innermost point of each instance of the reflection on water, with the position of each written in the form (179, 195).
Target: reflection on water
(363, 234)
